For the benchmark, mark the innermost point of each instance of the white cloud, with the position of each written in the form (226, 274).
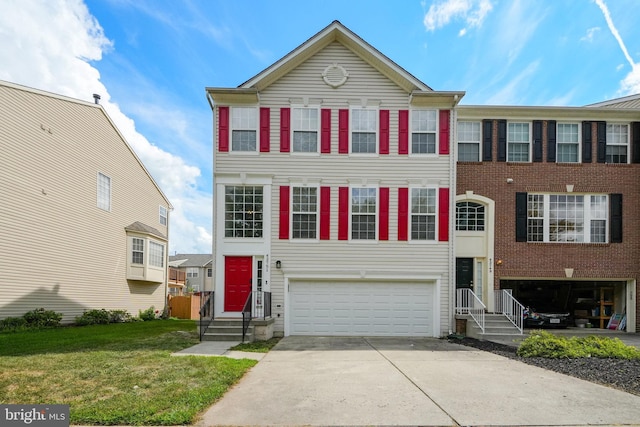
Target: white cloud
(590, 33)
(471, 12)
(511, 92)
(55, 40)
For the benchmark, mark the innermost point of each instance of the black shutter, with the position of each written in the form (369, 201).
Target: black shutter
(487, 140)
(502, 140)
(602, 141)
(551, 141)
(537, 140)
(635, 143)
(615, 218)
(586, 142)
(521, 217)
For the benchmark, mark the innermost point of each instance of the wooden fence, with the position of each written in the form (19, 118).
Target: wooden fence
(184, 307)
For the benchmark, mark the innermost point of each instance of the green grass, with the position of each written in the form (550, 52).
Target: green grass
(545, 344)
(115, 374)
(257, 346)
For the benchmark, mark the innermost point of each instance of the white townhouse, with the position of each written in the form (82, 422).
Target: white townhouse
(333, 191)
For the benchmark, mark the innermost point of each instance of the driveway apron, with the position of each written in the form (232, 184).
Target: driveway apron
(410, 381)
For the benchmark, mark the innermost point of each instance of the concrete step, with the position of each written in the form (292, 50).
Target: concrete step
(227, 337)
(214, 328)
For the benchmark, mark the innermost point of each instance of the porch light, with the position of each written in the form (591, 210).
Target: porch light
(278, 264)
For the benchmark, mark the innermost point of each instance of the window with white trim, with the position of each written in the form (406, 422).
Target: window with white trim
(137, 251)
(424, 125)
(469, 141)
(304, 125)
(469, 216)
(364, 209)
(243, 211)
(364, 130)
(617, 143)
(209, 272)
(568, 143)
(304, 209)
(156, 254)
(104, 192)
(423, 214)
(244, 129)
(567, 218)
(163, 215)
(518, 142)
(192, 272)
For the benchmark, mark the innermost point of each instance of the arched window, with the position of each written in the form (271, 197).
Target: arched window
(469, 216)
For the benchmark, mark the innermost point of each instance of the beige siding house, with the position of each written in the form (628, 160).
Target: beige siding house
(84, 225)
(197, 268)
(333, 187)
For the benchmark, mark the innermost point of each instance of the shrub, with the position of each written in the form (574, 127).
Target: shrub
(11, 324)
(120, 316)
(93, 317)
(148, 314)
(545, 344)
(41, 318)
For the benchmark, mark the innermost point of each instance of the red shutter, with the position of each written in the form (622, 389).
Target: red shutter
(265, 130)
(284, 212)
(343, 213)
(325, 130)
(285, 134)
(444, 131)
(403, 213)
(384, 131)
(325, 213)
(403, 132)
(443, 215)
(383, 225)
(343, 131)
(223, 129)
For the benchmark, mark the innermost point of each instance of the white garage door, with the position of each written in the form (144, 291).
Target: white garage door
(361, 308)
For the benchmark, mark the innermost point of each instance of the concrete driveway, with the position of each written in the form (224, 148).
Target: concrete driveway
(358, 381)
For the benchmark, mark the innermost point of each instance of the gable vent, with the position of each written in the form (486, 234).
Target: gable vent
(335, 75)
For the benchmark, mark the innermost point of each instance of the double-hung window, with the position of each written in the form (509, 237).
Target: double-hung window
(163, 215)
(243, 211)
(192, 272)
(305, 124)
(617, 143)
(469, 216)
(423, 214)
(568, 143)
(137, 251)
(567, 218)
(104, 192)
(364, 130)
(468, 141)
(423, 131)
(363, 213)
(518, 142)
(304, 213)
(156, 254)
(244, 129)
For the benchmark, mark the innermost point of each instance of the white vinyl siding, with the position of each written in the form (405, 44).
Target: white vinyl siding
(304, 125)
(617, 143)
(424, 127)
(469, 141)
(518, 142)
(104, 192)
(244, 129)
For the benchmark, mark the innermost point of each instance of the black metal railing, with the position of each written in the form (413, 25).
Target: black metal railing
(257, 306)
(206, 311)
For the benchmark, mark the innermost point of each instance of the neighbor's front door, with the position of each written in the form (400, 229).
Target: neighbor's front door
(237, 281)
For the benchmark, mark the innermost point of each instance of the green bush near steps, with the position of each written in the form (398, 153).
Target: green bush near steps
(545, 344)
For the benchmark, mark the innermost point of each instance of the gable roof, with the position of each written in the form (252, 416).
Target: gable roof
(631, 101)
(139, 227)
(190, 260)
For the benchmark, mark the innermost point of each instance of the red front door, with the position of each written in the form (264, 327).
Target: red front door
(237, 281)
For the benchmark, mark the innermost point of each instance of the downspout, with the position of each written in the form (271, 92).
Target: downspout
(452, 215)
(166, 264)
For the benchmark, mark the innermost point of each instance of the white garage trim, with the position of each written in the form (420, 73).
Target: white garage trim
(362, 307)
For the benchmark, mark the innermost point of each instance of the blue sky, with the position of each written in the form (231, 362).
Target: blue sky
(151, 60)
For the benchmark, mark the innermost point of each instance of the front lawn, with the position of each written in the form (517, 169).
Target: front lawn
(115, 374)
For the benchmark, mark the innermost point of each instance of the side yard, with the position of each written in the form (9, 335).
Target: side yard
(115, 374)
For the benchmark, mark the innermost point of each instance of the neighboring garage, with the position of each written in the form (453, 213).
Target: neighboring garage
(362, 308)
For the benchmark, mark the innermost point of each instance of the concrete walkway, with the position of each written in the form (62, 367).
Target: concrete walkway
(218, 348)
(402, 381)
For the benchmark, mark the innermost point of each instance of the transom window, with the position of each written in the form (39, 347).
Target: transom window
(137, 251)
(567, 218)
(363, 213)
(244, 125)
(243, 211)
(617, 143)
(469, 141)
(423, 131)
(469, 216)
(104, 192)
(364, 125)
(568, 143)
(304, 123)
(518, 142)
(305, 212)
(156, 254)
(423, 214)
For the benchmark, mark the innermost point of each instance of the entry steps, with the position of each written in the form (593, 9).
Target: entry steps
(496, 327)
(227, 330)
